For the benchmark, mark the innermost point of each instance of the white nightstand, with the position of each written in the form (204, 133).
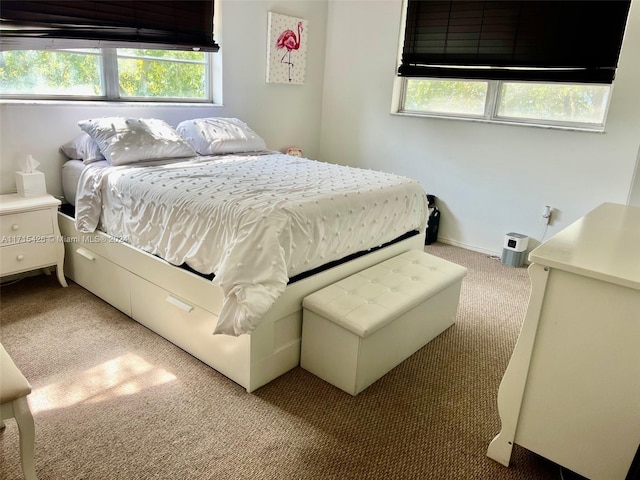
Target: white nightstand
(29, 235)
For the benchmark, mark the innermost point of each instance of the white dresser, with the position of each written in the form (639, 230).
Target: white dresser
(571, 391)
(29, 235)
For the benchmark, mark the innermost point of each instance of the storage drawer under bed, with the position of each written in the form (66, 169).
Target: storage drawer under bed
(189, 327)
(98, 275)
(125, 259)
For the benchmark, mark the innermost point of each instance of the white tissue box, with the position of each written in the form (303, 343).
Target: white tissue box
(31, 184)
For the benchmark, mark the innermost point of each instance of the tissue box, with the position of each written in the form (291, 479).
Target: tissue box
(31, 184)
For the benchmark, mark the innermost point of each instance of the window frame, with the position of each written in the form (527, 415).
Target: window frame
(109, 76)
(492, 104)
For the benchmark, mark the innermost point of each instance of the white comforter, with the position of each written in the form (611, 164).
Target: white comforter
(254, 221)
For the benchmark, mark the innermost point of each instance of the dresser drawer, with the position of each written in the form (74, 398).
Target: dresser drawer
(18, 227)
(98, 275)
(27, 256)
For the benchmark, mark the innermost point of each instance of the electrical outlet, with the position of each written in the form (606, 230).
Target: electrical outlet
(546, 215)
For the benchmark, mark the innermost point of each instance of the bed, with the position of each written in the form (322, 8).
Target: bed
(214, 251)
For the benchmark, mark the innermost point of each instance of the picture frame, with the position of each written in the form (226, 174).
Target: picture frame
(286, 49)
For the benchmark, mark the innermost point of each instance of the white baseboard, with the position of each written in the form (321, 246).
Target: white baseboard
(473, 248)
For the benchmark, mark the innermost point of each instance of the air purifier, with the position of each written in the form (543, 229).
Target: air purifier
(514, 250)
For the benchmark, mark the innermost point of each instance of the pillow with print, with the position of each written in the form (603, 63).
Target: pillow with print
(217, 136)
(129, 140)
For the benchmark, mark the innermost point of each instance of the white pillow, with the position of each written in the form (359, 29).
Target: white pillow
(82, 148)
(214, 136)
(129, 140)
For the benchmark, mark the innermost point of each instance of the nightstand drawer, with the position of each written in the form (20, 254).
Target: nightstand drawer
(19, 227)
(27, 256)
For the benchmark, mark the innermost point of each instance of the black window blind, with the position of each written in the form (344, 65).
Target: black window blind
(158, 24)
(552, 40)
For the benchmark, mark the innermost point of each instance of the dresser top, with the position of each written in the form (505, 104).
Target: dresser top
(13, 203)
(604, 244)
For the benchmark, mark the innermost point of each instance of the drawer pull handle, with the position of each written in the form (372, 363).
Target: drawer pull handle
(85, 253)
(15, 227)
(179, 303)
(20, 257)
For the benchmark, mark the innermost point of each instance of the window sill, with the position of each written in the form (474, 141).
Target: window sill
(106, 103)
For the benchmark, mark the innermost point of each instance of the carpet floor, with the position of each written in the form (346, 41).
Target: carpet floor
(112, 400)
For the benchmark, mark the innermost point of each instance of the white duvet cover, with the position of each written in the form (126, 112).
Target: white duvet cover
(252, 220)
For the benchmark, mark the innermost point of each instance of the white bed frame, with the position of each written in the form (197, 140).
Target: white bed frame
(183, 307)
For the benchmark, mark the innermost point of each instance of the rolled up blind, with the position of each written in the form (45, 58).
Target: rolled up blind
(158, 24)
(550, 40)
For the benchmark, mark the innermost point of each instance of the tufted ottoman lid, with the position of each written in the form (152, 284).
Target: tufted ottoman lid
(366, 301)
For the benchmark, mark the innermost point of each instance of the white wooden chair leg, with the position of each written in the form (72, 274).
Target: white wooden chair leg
(26, 427)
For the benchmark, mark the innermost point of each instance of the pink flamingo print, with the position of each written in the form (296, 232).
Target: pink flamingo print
(290, 41)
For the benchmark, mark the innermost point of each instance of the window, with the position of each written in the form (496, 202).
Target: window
(535, 62)
(106, 74)
(553, 104)
(162, 73)
(456, 97)
(111, 49)
(51, 73)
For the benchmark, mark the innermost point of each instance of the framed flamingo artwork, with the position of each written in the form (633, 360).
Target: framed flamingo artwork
(287, 49)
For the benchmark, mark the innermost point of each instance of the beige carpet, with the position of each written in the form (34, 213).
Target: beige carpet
(112, 400)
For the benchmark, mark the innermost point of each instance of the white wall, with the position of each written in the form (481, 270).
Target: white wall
(282, 114)
(490, 179)
(634, 195)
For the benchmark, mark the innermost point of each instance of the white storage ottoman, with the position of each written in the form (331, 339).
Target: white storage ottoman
(358, 329)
